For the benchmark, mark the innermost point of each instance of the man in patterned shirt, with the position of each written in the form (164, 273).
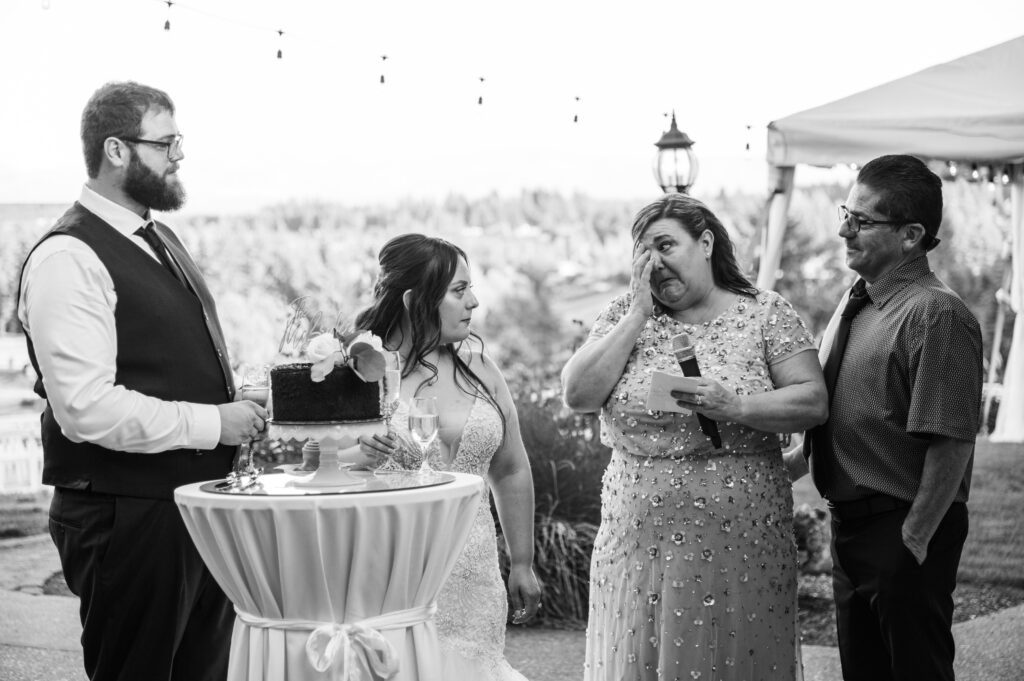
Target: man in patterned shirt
(904, 373)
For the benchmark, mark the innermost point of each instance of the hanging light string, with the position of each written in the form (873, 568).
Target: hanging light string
(231, 20)
(280, 32)
(220, 17)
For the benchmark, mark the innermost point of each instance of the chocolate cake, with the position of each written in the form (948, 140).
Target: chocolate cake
(341, 396)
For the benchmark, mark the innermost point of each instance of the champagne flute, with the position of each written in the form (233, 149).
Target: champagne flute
(255, 388)
(423, 417)
(391, 386)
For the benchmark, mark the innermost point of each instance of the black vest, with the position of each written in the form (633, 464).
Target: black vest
(165, 349)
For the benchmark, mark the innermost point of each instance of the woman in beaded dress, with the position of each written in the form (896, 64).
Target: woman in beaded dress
(693, 574)
(423, 305)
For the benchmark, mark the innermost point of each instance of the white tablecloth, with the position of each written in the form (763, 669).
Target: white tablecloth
(330, 558)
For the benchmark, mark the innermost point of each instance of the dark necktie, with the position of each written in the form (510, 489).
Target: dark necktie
(817, 440)
(185, 271)
(148, 232)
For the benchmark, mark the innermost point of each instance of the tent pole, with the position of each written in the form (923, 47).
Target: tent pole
(780, 179)
(1009, 425)
(996, 359)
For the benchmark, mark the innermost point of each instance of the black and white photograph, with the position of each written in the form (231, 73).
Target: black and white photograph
(536, 341)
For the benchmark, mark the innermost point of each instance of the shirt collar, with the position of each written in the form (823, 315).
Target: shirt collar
(115, 215)
(894, 281)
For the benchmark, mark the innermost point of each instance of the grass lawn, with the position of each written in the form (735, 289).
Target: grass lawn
(23, 515)
(994, 552)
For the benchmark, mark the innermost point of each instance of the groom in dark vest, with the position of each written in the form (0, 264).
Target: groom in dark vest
(129, 355)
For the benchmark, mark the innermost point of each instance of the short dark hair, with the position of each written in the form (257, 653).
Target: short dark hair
(116, 110)
(695, 217)
(907, 190)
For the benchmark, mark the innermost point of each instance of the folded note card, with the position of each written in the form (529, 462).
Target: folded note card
(659, 397)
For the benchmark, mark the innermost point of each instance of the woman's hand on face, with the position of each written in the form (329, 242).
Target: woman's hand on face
(710, 399)
(640, 282)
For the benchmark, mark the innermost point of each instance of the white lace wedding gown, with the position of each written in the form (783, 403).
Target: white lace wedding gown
(472, 607)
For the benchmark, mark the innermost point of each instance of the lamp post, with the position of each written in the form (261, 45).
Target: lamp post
(675, 165)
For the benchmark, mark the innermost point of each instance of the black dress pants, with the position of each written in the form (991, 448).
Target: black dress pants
(149, 607)
(894, 616)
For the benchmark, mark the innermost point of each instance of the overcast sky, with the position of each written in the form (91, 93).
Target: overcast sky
(318, 124)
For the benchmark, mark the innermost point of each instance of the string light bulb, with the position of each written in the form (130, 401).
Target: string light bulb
(167, 23)
(975, 173)
(1005, 177)
(480, 99)
(280, 34)
(748, 139)
(383, 58)
(576, 116)
(952, 168)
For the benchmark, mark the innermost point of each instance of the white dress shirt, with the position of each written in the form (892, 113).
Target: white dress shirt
(67, 308)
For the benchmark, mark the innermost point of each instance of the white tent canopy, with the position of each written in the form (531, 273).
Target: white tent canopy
(970, 110)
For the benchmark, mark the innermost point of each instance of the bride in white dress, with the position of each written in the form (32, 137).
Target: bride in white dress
(423, 306)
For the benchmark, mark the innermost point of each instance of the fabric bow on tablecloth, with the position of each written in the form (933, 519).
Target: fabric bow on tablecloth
(354, 650)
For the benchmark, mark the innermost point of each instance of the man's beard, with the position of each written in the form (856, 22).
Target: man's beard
(141, 184)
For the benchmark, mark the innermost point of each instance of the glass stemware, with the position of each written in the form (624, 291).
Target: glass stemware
(255, 387)
(423, 417)
(391, 386)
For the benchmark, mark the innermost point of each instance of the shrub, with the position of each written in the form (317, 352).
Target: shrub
(809, 526)
(567, 461)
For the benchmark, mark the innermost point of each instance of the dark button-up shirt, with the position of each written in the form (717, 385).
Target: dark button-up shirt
(912, 369)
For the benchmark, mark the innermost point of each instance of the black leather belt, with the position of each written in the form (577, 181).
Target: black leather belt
(868, 506)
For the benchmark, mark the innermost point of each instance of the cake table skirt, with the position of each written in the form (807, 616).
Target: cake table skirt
(331, 559)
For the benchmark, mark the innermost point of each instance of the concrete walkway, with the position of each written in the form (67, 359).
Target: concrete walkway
(39, 634)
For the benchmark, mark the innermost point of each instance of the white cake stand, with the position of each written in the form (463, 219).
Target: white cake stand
(332, 436)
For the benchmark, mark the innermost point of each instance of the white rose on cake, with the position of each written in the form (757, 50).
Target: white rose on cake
(363, 352)
(322, 346)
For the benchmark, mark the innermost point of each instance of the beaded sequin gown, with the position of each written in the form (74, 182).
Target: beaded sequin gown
(472, 608)
(693, 574)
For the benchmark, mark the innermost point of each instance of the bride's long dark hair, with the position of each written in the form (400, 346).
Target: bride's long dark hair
(425, 266)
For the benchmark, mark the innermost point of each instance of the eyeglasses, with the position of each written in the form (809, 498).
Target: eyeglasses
(854, 222)
(173, 147)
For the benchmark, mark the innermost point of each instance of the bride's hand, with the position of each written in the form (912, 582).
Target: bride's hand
(379, 448)
(524, 591)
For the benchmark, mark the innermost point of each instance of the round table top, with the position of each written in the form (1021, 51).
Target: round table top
(461, 484)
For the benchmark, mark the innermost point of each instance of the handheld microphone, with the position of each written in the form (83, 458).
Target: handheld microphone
(684, 354)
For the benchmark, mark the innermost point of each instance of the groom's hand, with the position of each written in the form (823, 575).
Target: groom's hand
(241, 422)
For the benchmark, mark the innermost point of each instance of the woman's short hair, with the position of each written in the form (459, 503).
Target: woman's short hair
(695, 217)
(116, 110)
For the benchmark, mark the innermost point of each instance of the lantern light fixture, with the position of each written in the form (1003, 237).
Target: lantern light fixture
(675, 165)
